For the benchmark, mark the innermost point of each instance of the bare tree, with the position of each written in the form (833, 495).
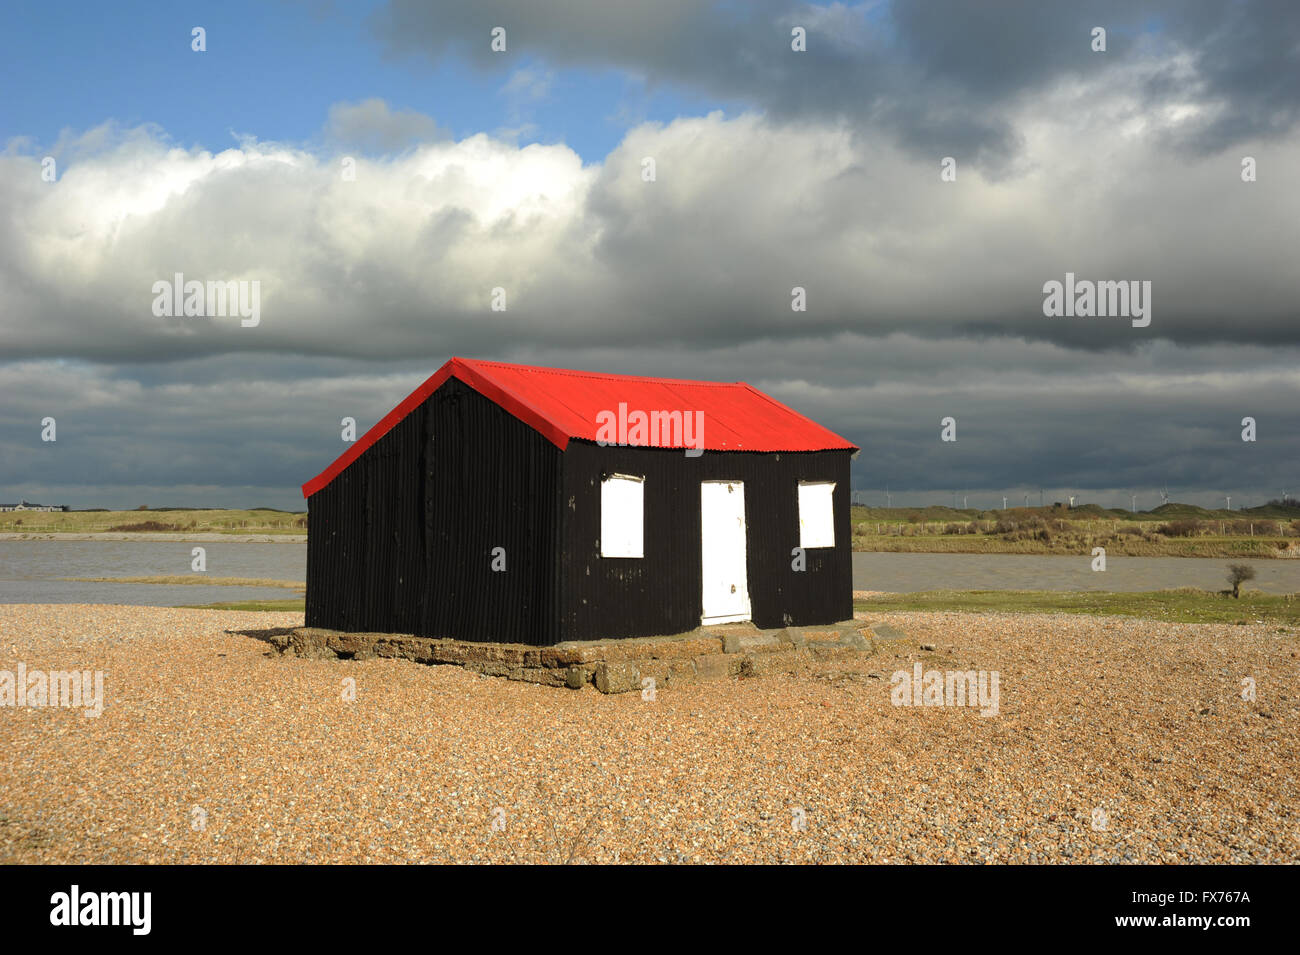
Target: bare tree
(1238, 574)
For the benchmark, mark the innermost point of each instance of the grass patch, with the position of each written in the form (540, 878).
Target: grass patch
(1074, 545)
(195, 580)
(160, 520)
(1075, 531)
(275, 606)
(1185, 605)
(1274, 510)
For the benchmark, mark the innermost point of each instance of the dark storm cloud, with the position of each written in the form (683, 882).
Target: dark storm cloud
(1028, 416)
(941, 77)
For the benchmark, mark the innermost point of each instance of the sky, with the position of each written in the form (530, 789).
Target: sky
(921, 170)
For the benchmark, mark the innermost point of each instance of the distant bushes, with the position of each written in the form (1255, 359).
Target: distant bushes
(1027, 529)
(1017, 526)
(965, 527)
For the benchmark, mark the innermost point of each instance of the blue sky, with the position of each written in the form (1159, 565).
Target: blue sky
(272, 70)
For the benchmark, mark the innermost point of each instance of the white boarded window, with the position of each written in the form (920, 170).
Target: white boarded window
(816, 514)
(622, 516)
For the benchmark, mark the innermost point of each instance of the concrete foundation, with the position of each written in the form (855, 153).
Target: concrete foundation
(611, 666)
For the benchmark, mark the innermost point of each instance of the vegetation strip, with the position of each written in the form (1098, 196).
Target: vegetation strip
(1184, 605)
(270, 606)
(198, 580)
(159, 520)
(1172, 530)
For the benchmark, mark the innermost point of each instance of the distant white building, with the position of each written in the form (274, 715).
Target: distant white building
(28, 506)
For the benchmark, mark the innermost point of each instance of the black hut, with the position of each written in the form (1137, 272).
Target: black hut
(510, 503)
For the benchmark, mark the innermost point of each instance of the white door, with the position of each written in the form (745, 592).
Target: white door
(722, 521)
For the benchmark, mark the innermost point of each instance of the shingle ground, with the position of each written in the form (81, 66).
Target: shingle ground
(1143, 721)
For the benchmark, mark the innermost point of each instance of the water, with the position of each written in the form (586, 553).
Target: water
(906, 573)
(30, 571)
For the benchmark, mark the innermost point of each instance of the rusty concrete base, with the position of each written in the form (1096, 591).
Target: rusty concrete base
(612, 666)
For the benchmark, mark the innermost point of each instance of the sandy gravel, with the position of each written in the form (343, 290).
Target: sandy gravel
(1142, 720)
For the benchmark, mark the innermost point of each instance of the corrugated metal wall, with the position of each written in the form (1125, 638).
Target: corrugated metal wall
(660, 593)
(402, 541)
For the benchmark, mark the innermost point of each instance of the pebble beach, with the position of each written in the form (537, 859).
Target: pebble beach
(1116, 740)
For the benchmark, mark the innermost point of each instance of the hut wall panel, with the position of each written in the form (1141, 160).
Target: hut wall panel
(402, 540)
(336, 554)
(660, 593)
(394, 573)
(491, 481)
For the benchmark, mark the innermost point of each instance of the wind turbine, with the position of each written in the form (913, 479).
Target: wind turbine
(1004, 502)
(889, 498)
(1164, 495)
(1228, 498)
(963, 502)
(1134, 506)
(1071, 502)
(1026, 500)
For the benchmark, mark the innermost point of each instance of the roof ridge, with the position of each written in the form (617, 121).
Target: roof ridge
(575, 373)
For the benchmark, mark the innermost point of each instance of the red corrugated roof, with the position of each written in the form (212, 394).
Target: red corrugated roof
(563, 404)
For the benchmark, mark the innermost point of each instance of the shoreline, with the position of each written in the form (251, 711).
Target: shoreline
(209, 537)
